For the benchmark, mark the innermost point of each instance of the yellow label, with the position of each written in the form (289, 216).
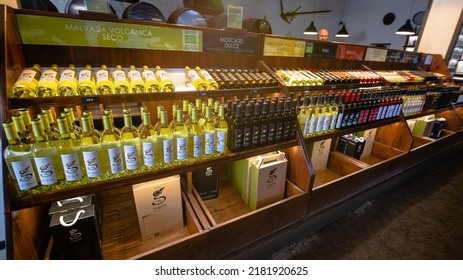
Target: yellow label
(284, 47)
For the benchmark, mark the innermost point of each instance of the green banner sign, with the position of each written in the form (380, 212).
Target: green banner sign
(43, 30)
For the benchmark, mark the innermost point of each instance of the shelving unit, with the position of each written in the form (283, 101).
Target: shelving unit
(224, 226)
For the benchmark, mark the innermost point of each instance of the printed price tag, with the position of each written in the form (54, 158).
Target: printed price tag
(90, 99)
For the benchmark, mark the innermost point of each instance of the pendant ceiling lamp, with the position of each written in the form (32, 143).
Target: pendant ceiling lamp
(311, 29)
(343, 31)
(407, 28)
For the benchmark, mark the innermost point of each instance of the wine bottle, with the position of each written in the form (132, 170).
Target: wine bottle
(47, 86)
(180, 135)
(25, 85)
(25, 136)
(104, 81)
(236, 131)
(328, 113)
(121, 83)
(202, 115)
(86, 84)
(24, 112)
(195, 136)
(151, 83)
(51, 119)
(220, 82)
(157, 125)
(116, 130)
(46, 156)
(67, 85)
(111, 148)
(287, 116)
(69, 151)
(51, 135)
(334, 110)
(221, 132)
(72, 125)
(130, 144)
(90, 147)
(194, 79)
(148, 138)
(208, 130)
(136, 83)
(313, 117)
(280, 121)
(165, 140)
(320, 113)
(264, 124)
(272, 123)
(89, 115)
(18, 158)
(165, 83)
(173, 122)
(256, 125)
(211, 84)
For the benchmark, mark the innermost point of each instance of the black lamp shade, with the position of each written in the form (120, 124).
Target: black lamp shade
(406, 29)
(342, 32)
(311, 30)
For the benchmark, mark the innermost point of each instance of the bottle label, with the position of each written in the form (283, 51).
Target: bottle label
(102, 75)
(92, 164)
(182, 144)
(67, 75)
(255, 135)
(193, 76)
(24, 173)
(168, 150)
(26, 76)
(47, 173)
(320, 123)
(115, 160)
(48, 75)
(238, 139)
(305, 129)
(220, 143)
(148, 153)
(279, 130)
(85, 75)
(119, 75)
(327, 123)
(313, 124)
(209, 143)
(247, 136)
(197, 145)
(334, 121)
(263, 133)
(148, 75)
(71, 165)
(162, 75)
(134, 75)
(131, 157)
(339, 121)
(272, 127)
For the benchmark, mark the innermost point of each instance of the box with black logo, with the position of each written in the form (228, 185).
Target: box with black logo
(76, 234)
(355, 147)
(436, 129)
(342, 143)
(70, 203)
(206, 182)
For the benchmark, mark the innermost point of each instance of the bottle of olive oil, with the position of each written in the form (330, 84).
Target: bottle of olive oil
(165, 83)
(121, 83)
(151, 83)
(47, 85)
(25, 85)
(86, 84)
(18, 158)
(110, 143)
(90, 147)
(130, 144)
(136, 83)
(67, 85)
(195, 136)
(104, 81)
(46, 156)
(69, 151)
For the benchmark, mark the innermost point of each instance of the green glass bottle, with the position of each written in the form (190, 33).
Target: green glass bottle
(148, 138)
(90, 147)
(130, 144)
(208, 129)
(18, 158)
(51, 135)
(25, 85)
(165, 140)
(47, 85)
(25, 136)
(195, 136)
(180, 134)
(86, 84)
(69, 151)
(67, 85)
(221, 132)
(121, 83)
(112, 162)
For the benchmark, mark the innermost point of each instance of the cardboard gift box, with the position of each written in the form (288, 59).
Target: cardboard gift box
(206, 182)
(319, 152)
(437, 128)
(76, 234)
(268, 180)
(159, 206)
(70, 203)
(355, 147)
(369, 136)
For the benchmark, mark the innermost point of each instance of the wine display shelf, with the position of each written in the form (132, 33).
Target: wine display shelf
(210, 231)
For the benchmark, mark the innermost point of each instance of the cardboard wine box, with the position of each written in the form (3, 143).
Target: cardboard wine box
(206, 182)
(319, 152)
(355, 147)
(268, 180)
(159, 206)
(369, 136)
(437, 128)
(76, 234)
(71, 203)
(342, 143)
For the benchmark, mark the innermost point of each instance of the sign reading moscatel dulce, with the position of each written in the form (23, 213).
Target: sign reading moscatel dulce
(347, 52)
(220, 42)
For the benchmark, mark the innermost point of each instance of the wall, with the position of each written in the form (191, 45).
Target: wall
(364, 17)
(440, 26)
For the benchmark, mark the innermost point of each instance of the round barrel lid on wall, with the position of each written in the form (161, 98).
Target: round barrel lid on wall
(187, 16)
(143, 11)
(257, 25)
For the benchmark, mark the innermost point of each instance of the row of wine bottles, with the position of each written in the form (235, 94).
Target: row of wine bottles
(49, 82)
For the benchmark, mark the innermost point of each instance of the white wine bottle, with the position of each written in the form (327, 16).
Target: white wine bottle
(104, 81)
(165, 83)
(173, 123)
(25, 136)
(193, 78)
(25, 85)
(51, 119)
(180, 134)
(116, 130)
(86, 84)
(221, 132)
(151, 83)
(51, 135)
(92, 124)
(47, 85)
(24, 112)
(157, 126)
(69, 151)
(148, 140)
(46, 156)
(195, 136)
(165, 140)
(208, 129)
(90, 147)
(18, 158)
(130, 144)
(67, 85)
(72, 126)
(110, 144)
(121, 83)
(211, 84)
(136, 83)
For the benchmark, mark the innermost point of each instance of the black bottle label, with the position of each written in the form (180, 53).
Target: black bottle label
(263, 134)
(237, 140)
(256, 135)
(247, 137)
(272, 127)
